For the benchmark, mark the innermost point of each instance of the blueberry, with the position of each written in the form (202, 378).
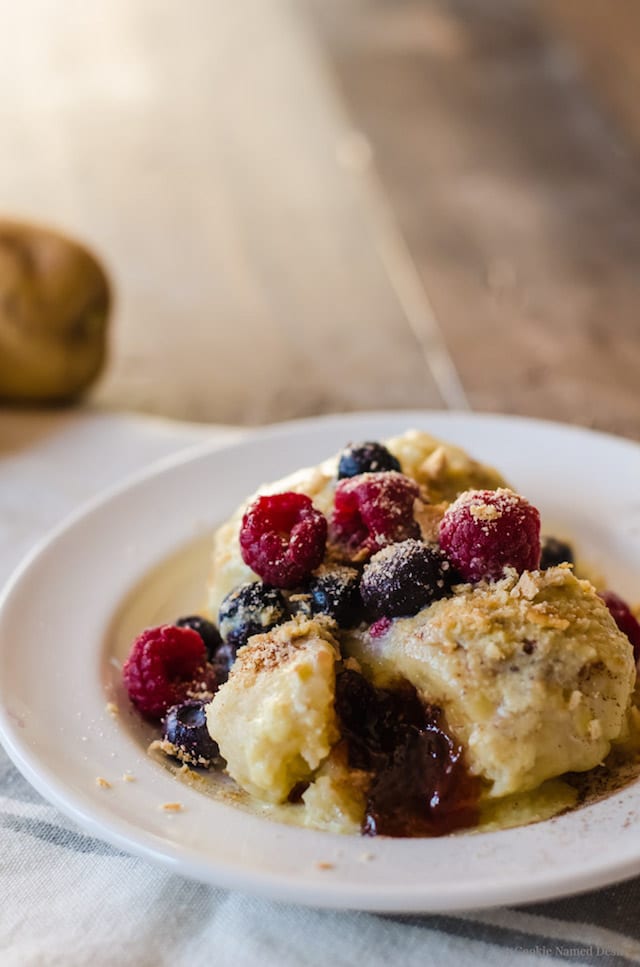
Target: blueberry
(185, 727)
(367, 457)
(207, 631)
(251, 609)
(555, 552)
(403, 578)
(222, 662)
(335, 591)
(220, 654)
(300, 603)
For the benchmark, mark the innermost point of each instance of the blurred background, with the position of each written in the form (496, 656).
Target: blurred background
(327, 205)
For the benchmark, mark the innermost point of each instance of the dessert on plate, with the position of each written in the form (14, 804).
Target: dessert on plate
(392, 649)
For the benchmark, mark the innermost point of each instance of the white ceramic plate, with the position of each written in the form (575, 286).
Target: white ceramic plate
(120, 564)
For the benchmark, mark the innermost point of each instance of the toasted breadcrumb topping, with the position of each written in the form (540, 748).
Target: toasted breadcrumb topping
(278, 646)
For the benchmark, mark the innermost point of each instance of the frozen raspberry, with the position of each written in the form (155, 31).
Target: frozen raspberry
(624, 618)
(380, 627)
(485, 531)
(166, 666)
(185, 728)
(220, 653)
(367, 457)
(373, 510)
(404, 578)
(282, 538)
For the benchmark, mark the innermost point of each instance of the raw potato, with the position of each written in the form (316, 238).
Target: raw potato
(54, 305)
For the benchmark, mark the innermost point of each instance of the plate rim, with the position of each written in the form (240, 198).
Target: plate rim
(273, 884)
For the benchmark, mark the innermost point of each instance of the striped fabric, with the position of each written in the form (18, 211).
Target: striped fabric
(68, 899)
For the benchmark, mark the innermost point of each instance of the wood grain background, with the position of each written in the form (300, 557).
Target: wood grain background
(324, 205)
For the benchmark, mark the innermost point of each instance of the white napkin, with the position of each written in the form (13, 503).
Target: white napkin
(68, 899)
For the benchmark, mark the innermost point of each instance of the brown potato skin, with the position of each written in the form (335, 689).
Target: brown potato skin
(54, 306)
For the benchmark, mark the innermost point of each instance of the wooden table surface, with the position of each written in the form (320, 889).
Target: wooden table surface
(325, 205)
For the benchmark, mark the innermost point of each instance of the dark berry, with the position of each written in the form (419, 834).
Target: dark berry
(250, 610)
(334, 591)
(166, 666)
(283, 538)
(371, 718)
(373, 510)
(222, 662)
(624, 618)
(420, 785)
(207, 631)
(485, 531)
(555, 552)
(300, 604)
(367, 457)
(404, 578)
(185, 727)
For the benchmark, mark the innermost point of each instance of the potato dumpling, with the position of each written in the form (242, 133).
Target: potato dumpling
(336, 798)
(442, 469)
(54, 305)
(274, 719)
(533, 675)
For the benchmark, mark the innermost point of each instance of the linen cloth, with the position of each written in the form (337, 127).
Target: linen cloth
(68, 899)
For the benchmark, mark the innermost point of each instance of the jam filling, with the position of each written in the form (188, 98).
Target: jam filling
(420, 784)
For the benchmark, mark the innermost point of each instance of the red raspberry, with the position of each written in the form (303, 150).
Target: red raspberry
(624, 618)
(484, 531)
(379, 627)
(373, 510)
(166, 666)
(282, 538)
